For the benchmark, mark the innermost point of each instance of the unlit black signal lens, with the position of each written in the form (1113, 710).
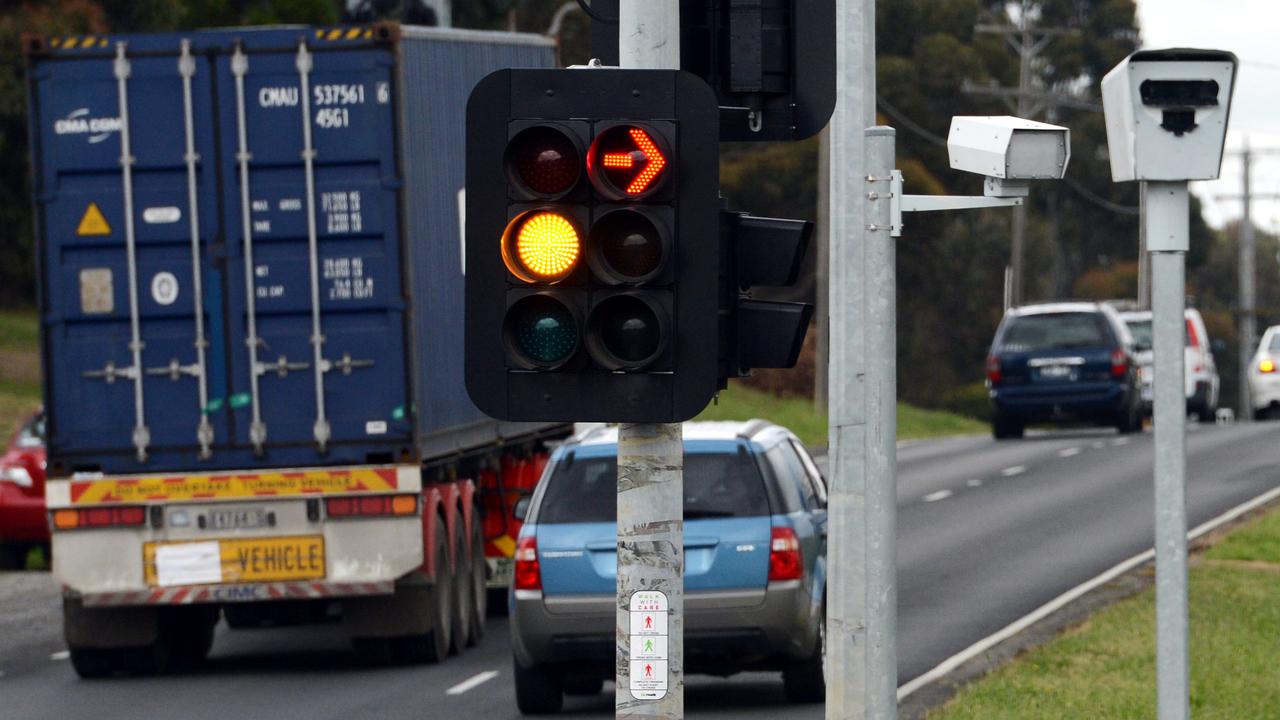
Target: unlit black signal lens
(627, 247)
(626, 332)
(545, 161)
(541, 332)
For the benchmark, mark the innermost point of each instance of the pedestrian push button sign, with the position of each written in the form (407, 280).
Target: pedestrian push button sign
(649, 645)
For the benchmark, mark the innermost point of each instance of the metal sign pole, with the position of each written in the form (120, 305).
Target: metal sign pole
(861, 655)
(1167, 229)
(650, 589)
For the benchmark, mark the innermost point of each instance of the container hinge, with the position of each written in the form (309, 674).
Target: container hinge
(305, 63)
(280, 367)
(257, 429)
(175, 370)
(345, 365)
(123, 69)
(204, 431)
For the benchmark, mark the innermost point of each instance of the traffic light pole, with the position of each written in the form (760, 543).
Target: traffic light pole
(861, 655)
(1167, 221)
(650, 477)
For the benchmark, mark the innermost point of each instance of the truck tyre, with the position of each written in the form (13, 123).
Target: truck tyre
(433, 647)
(538, 691)
(479, 586)
(461, 619)
(104, 641)
(803, 682)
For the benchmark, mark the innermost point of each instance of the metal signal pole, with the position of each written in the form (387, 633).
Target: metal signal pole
(861, 654)
(650, 589)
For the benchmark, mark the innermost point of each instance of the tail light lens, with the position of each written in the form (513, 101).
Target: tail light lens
(785, 559)
(371, 506)
(1267, 366)
(1119, 363)
(993, 369)
(100, 517)
(528, 573)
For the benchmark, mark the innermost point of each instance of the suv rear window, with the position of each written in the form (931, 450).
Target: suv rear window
(715, 485)
(1052, 331)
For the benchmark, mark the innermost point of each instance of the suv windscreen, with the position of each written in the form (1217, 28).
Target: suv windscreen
(716, 485)
(1055, 331)
(1141, 331)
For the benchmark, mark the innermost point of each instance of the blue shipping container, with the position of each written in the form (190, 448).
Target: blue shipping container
(250, 245)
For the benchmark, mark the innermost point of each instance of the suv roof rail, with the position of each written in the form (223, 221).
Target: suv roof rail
(753, 427)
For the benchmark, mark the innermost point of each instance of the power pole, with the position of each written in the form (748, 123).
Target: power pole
(650, 468)
(1026, 101)
(1247, 278)
(861, 658)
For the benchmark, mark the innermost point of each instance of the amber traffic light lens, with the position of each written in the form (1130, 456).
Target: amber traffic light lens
(626, 332)
(541, 331)
(627, 247)
(545, 161)
(628, 162)
(541, 246)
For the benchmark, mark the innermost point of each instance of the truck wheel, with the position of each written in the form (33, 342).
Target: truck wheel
(538, 691)
(434, 646)
(479, 588)
(461, 619)
(804, 682)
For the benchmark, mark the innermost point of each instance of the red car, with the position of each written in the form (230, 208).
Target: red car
(22, 511)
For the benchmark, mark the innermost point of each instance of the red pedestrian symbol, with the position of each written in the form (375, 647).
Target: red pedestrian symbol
(648, 671)
(648, 622)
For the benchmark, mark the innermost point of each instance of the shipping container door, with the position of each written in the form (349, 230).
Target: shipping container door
(311, 191)
(126, 192)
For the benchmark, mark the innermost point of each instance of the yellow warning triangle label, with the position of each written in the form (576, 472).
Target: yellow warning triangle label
(93, 222)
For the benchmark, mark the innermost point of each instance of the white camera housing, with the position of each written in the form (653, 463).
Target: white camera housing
(1167, 113)
(1009, 151)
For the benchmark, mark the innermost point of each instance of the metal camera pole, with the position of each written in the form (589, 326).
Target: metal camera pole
(1167, 229)
(650, 586)
(861, 656)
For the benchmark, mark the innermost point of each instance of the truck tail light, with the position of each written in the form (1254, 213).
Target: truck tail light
(528, 573)
(1119, 363)
(785, 560)
(993, 369)
(100, 517)
(371, 506)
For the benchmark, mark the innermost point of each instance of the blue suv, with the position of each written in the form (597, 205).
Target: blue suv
(755, 564)
(1063, 362)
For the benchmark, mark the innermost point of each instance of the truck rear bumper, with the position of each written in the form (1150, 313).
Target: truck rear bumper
(255, 592)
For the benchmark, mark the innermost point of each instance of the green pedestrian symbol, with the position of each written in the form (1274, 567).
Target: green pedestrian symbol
(648, 646)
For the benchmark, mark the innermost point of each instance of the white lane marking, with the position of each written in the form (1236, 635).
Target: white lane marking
(472, 683)
(974, 483)
(1120, 441)
(1015, 470)
(60, 655)
(936, 496)
(1068, 452)
(982, 646)
(1099, 445)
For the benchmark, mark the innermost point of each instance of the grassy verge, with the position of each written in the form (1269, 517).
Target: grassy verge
(19, 369)
(1106, 667)
(798, 414)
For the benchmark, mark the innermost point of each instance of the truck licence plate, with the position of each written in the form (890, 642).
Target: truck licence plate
(237, 519)
(215, 562)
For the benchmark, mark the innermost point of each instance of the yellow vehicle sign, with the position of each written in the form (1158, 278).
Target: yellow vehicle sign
(217, 562)
(222, 486)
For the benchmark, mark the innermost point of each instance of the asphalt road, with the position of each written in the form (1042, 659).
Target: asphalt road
(987, 532)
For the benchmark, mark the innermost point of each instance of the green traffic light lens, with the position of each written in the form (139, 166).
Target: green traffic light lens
(626, 332)
(542, 332)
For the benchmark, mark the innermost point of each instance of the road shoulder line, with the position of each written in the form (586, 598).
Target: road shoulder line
(984, 645)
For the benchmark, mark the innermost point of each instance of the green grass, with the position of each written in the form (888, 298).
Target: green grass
(19, 369)
(1106, 667)
(19, 330)
(798, 414)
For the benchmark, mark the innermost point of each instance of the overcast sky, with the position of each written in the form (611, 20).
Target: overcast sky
(1250, 29)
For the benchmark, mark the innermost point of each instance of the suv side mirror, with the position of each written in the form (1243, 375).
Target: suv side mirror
(521, 510)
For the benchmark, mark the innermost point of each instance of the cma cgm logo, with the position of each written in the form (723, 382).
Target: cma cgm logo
(78, 122)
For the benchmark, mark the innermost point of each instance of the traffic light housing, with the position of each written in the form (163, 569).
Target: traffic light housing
(593, 251)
